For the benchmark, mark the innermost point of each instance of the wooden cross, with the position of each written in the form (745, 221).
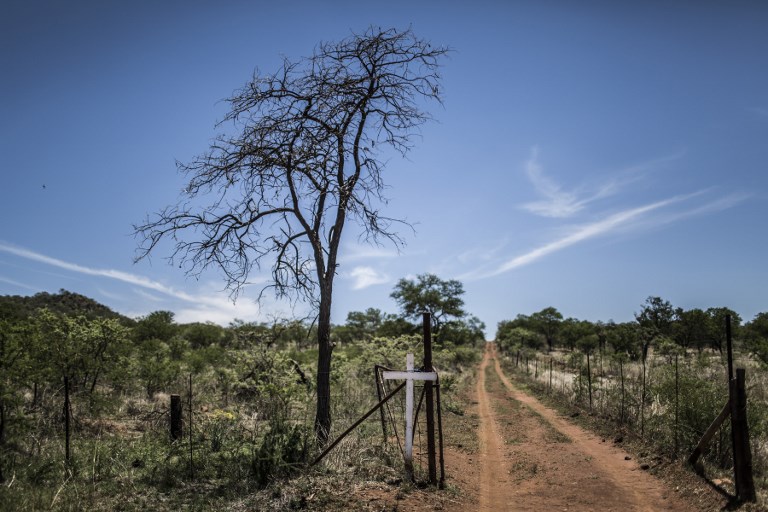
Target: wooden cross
(409, 375)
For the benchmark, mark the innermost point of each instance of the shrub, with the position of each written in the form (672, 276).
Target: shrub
(282, 450)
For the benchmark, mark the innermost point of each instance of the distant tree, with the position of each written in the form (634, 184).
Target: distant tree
(154, 366)
(624, 338)
(395, 326)
(656, 319)
(547, 323)
(572, 330)
(200, 335)
(588, 344)
(106, 348)
(469, 332)
(755, 334)
(79, 349)
(310, 153)
(690, 329)
(286, 332)
(521, 320)
(157, 325)
(509, 337)
(12, 357)
(657, 315)
(441, 298)
(502, 328)
(363, 325)
(716, 332)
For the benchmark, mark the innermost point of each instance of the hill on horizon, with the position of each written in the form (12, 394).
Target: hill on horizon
(18, 307)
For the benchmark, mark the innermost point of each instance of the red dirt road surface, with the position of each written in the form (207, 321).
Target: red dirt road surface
(530, 458)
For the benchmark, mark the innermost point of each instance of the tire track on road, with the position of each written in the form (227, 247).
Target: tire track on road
(494, 480)
(614, 481)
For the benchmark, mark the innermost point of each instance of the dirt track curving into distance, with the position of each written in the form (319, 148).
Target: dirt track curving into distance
(531, 458)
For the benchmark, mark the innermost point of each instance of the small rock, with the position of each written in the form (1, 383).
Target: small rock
(627, 457)
(618, 439)
(645, 467)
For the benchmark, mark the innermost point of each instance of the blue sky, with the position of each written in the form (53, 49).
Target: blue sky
(589, 154)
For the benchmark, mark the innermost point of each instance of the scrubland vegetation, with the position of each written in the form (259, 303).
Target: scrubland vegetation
(250, 387)
(661, 379)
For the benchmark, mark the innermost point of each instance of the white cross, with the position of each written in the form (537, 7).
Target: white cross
(409, 375)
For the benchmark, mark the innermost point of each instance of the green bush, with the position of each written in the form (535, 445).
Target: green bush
(283, 449)
(698, 401)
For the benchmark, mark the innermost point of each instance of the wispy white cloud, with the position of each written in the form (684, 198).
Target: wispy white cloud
(16, 283)
(109, 273)
(556, 202)
(611, 223)
(481, 254)
(364, 252)
(366, 276)
(147, 296)
(716, 205)
(222, 313)
(560, 203)
(210, 306)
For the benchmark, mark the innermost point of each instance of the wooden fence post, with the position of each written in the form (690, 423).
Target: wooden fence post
(430, 400)
(379, 394)
(67, 414)
(176, 422)
(742, 455)
(550, 375)
(191, 445)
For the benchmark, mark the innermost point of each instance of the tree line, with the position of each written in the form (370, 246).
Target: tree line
(658, 324)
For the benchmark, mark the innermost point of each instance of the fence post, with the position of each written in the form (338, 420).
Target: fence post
(67, 409)
(550, 375)
(191, 446)
(176, 422)
(427, 323)
(742, 455)
(677, 406)
(381, 410)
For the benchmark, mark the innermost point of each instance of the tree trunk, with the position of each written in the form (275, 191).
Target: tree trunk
(323, 415)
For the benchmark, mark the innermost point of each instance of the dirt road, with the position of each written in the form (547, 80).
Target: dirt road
(530, 458)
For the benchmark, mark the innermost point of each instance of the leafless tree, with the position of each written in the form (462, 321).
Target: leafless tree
(307, 154)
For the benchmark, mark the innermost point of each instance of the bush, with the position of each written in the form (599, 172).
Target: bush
(283, 449)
